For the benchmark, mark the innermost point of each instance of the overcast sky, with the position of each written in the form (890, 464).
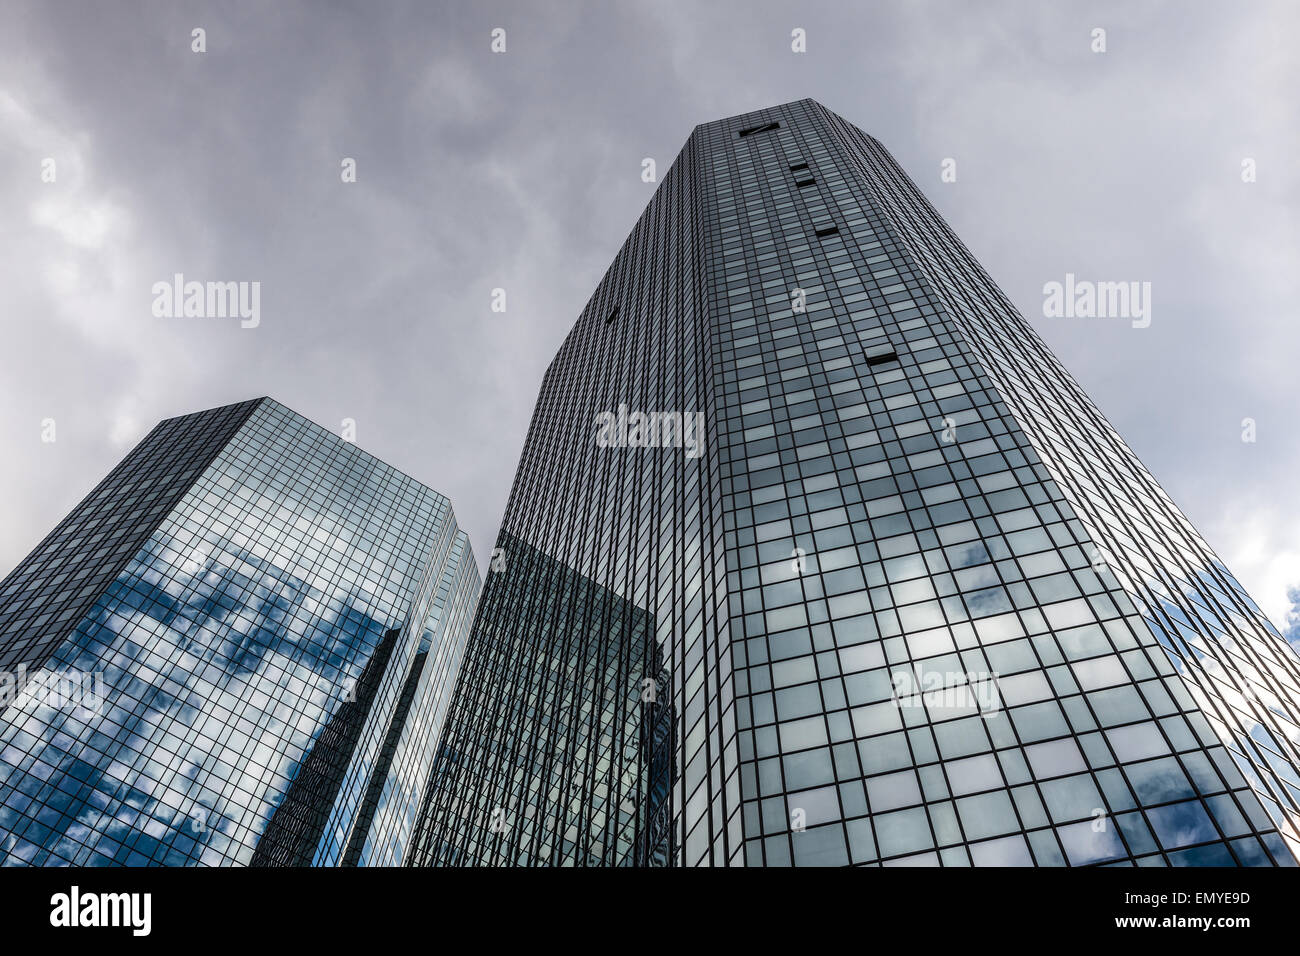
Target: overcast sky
(521, 171)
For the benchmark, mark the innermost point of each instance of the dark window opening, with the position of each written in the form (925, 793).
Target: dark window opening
(798, 166)
(827, 231)
(751, 130)
(612, 315)
(880, 355)
(801, 183)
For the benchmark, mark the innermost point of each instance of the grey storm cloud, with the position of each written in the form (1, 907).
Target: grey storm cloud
(522, 171)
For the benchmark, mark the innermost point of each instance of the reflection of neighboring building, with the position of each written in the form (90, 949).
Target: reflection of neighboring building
(277, 616)
(295, 829)
(574, 765)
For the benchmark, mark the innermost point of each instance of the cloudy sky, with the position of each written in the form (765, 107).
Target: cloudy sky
(521, 170)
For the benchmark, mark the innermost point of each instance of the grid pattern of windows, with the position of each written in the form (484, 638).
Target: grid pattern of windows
(583, 784)
(54, 586)
(949, 675)
(916, 603)
(232, 643)
(1242, 675)
(557, 751)
(398, 785)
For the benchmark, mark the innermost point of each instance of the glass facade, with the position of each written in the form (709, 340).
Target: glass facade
(271, 621)
(909, 601)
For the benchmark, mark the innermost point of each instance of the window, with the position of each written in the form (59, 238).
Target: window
(613, 314)
(751, 130)
(827, 231)
(880, 355)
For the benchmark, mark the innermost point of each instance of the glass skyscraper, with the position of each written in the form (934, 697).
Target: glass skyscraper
(238, 649)
(906, 598)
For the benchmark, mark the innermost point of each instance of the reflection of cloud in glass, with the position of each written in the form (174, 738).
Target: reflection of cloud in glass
(182, 666)
(231, 648)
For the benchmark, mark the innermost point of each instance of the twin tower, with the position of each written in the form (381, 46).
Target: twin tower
(902, 595)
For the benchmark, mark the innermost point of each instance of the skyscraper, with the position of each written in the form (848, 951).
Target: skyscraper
(238, 649)
(911, 598)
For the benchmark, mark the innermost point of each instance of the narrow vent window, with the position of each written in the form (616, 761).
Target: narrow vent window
(880, 355)
(802, 183)
(613, 314)
(828, 231)
(798, 166)
(765, 128)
